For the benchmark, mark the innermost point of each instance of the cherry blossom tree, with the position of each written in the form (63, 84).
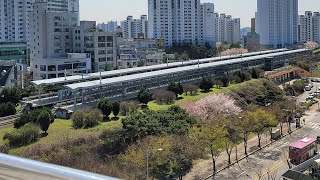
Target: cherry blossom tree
(311, 45)
(234, 51)
(211, 106)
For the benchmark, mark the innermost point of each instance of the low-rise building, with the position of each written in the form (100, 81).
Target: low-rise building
(73, 64)
(101, 45)
(139, 52)
(251, 39)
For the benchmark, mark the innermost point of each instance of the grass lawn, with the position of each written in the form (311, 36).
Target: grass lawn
(317, 71)
(61, 129)
(154, 106)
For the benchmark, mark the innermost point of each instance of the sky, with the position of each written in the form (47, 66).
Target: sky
(118, 10)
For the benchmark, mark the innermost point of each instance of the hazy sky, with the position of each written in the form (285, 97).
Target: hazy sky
(106, 10)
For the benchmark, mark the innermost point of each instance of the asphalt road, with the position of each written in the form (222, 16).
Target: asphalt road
(271, 162)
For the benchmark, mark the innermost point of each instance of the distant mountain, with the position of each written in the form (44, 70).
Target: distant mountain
(244, 31)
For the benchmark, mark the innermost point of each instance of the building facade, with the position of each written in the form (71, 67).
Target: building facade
(101, 45)
(309, 27)
(139, 52)
(227, 29)
(111, 26)
(208, 24)
(73, 64)
(251, 39)
(174, 21)
(14, 20)
(277, 22)
(135, 28)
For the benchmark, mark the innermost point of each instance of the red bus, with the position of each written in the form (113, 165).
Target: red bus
(302, 150)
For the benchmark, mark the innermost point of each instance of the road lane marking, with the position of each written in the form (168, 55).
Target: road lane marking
(273, 169)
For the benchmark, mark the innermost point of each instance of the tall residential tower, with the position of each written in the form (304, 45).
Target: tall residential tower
(277, 22)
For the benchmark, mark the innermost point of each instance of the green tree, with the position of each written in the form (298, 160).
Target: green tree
(176, 88)
(115, 108)
(225, 81)
(144, 96)
(44, 121)
(210, 137)
(10, 94)
(105, 105)
(205, 84)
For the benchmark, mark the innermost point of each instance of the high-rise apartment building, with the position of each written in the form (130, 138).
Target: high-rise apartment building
(277, 22)
(207, 24)
(175, 21)
(309, 27)
(253, 25)
(111, 26)
(227, 29)
(14, 20)
(14, 16)
(135, 28)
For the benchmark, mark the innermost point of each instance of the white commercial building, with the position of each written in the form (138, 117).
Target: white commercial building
(50, 36)
(309, 27)
(61, 5)
(135, 28)
(174, 21)
(277, 22)
(101, 45)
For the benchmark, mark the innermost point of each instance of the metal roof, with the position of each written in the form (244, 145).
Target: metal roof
(120, 72)
(110, 81)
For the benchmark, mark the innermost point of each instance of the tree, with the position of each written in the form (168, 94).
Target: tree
(176, 88)
(115, 109)
(225, 81)
(262, 120)
(44, 121)
(311, 45)
(211, 106)
(232, 138)
(205, 84)
(144, 96)
(105, 105)
(10, 94)
(245, 125)
(210, 137)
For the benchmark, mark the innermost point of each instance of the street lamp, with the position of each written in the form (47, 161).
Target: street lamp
(148, 153)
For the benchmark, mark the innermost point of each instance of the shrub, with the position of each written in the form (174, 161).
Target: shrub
(115, 109)
(44, 121)
(176, 88)
(4, 149)
(32, 117)
(144, 96)
(10, 94)
(191, 89)
(22, 136)
(128, 107)
(7, 109)
(105, 105)
(86, 118)
(256, 73)
(225, 81)
(164, 97)
(218, 83)
(205, 84)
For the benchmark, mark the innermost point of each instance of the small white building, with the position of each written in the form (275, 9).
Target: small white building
(73, 64)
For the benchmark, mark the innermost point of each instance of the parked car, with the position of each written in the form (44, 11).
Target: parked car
(308, 88)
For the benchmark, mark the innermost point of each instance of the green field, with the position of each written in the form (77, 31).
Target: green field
(184, 98)
(61, 129)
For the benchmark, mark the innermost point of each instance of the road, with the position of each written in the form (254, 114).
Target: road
(271, 162)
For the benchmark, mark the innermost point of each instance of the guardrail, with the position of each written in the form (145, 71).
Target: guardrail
(17, 168)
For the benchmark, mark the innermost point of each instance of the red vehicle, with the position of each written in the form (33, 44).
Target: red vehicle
(302, 150)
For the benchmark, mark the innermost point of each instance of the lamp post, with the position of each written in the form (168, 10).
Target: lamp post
(148, 153)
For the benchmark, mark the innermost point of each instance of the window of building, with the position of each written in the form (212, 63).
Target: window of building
(43, 68)
(51, 68)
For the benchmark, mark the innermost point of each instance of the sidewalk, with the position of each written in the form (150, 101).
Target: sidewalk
(203, 169)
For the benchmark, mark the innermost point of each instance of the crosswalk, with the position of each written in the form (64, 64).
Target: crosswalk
(314, 125)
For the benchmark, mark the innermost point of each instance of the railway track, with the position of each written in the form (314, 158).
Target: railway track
(7, 121)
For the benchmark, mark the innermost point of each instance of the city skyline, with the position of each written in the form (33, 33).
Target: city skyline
(120, 9)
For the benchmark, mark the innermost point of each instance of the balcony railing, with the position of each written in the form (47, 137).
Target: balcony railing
(19, 168)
